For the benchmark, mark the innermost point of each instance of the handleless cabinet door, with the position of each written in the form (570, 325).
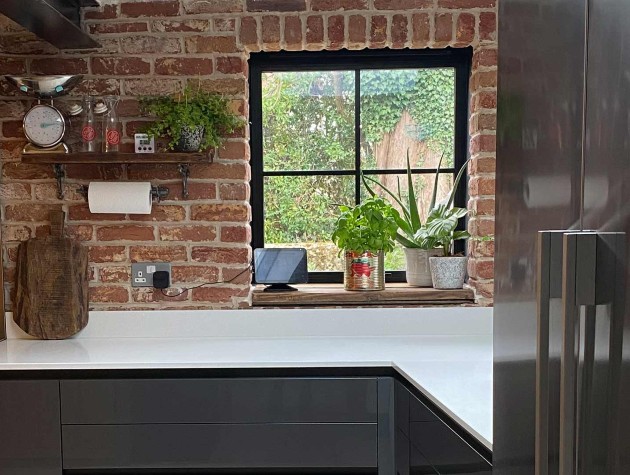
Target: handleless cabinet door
(30, 433)
(242, 401)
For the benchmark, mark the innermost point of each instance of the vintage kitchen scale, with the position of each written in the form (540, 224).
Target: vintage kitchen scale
(44, 125)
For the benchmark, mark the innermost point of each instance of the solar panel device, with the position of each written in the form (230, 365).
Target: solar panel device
(278, 267)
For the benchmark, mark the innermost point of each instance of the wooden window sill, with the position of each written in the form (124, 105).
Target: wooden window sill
(333, 295)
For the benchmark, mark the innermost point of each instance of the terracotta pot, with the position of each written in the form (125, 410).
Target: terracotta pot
(364, 271)
(418, 271)
(448, 272)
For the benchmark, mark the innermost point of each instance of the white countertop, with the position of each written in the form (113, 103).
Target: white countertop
(445, 353)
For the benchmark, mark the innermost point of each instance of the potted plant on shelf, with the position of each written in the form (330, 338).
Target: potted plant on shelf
(411, 233)
(192, 120)
(364, 233)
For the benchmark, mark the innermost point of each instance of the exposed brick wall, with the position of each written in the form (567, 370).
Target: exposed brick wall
(155, 47)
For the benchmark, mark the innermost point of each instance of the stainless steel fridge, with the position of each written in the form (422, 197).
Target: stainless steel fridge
(562, 317)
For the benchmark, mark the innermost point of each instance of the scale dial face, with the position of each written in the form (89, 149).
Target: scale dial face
(44, 126)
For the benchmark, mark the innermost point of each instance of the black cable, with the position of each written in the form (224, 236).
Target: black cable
(207, 283)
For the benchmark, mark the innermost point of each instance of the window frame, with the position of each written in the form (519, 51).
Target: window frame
(460, 59)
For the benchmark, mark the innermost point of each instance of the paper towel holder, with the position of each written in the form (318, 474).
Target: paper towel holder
(158, 192)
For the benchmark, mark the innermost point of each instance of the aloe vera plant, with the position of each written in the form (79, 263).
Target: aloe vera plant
(435, 233)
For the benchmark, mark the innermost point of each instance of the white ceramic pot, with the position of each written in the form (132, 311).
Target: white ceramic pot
(448, 272)
(418, 271)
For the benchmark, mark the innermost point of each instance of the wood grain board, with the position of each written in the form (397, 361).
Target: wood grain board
(98, 158)
(329, 295)
(51, 296)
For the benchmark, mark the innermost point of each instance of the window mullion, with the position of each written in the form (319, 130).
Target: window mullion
(357, 136)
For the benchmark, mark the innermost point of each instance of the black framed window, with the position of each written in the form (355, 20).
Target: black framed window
(321, 119)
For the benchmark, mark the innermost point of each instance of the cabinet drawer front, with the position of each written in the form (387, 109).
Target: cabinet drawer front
(245, 401)
(173, 446)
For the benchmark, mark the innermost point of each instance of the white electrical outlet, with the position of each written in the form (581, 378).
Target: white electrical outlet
(142, 272)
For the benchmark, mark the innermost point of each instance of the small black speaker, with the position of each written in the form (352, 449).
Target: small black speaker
(277, 267)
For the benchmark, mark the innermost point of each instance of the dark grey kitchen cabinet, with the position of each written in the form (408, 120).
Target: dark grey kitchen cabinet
(30, 434)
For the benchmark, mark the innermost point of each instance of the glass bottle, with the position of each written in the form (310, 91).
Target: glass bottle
(111, 126)
(89, 137)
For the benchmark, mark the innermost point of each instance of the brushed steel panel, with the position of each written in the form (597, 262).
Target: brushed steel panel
(539, 148)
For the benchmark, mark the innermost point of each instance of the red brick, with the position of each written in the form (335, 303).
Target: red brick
(28, 212)
(148, 295)
(249, 33)
(162, 213)
(378, 31)
(483, 227)
(81, 212)
(220, 212)
(331, 5)
(109, 294)
(213, 6)
(481, 269)
(226, 171)
(110, 28)
(402, 4)
(114, 274)
(465, 30)
(13, 109)
(183, 66)
(276, 5)
(483, 289)
(188, 233)
(199, 273)
(224, 24)
(149, 44)
(481, 186)
(466, 3)
(481, 79)
(234, 150)
(218, 294)
(26, 43)
(271, 31)
(400, 31)
(443, 28)
(124, 233)
(59, 66)
(105, 12)
(293, 32)
(237, 276)
(98, 254)
(483, 143)
(487, 26)
(196, 191)
(25, 171)
(11, 149)
(357, 30)
(80, 232)
(479, 248)
(184, 26)
(486, 122)
(157, 253)
(234, 191)
(98, 87)
(12, 66)
(149, 8)
(228, 86)
(120, 66)
(239, 234)
(15, 191)
(230, 65)
(15, 233)
(12, 129)
(482, 207)
(336, 31)
(211, 44)
(484, 100)
(220, 255)
(484, 57)
(482, 165)
(314, 30)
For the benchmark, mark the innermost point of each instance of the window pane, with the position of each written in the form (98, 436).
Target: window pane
(308, 120)
(300, 211)
(407, 109)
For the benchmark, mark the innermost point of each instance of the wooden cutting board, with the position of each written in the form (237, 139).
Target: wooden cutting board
(51, 296)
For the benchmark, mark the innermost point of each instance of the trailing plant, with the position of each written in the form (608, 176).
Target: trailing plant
(412, 232)
(369, 226)
(193, 107)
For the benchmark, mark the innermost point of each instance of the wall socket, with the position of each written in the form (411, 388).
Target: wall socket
(142, 272)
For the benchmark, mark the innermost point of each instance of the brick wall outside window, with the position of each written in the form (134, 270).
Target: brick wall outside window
(155, 47)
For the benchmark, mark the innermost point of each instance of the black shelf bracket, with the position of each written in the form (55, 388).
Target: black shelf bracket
(184, 170)
(60, 175)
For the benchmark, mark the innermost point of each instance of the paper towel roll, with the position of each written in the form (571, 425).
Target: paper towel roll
(120, 197)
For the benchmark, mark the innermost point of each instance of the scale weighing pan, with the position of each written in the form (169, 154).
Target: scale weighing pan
(45, 87)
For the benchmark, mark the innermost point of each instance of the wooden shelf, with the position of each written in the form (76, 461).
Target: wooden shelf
(333, 295)
(98, 158)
